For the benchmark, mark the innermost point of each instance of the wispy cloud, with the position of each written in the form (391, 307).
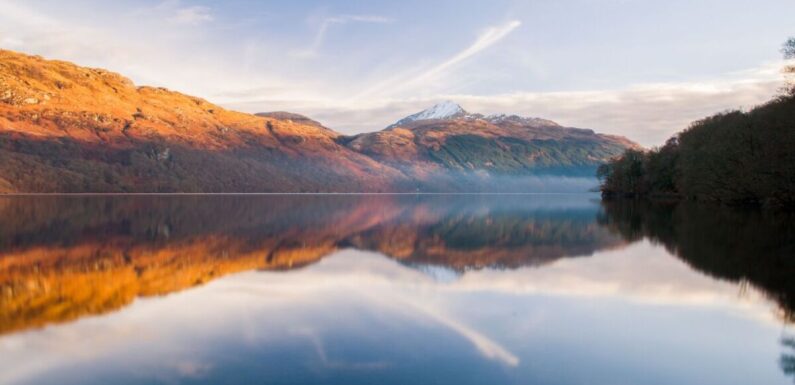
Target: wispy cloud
(193, 15)
(330, 298)
(488, 38)
(647, 113)
(156, 44)
(403, 82)
(488, 347)
(327, 22)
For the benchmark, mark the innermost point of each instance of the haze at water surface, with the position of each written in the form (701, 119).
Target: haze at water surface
(557, 289)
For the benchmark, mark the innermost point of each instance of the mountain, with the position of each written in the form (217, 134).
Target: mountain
(65, 128)
(444, 110)
(284, 115)
(445, 138)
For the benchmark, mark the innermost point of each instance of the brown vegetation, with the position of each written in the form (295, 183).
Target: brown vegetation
(502, 146)
(65, 128)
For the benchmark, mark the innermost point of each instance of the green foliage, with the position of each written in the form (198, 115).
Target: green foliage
(789, 70)
(789, 48)
(734, 158)
(512, 156)
(625, 174)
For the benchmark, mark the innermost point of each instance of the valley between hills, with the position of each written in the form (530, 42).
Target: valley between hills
(71, 129)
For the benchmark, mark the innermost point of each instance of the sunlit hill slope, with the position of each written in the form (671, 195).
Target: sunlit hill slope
(65, 128)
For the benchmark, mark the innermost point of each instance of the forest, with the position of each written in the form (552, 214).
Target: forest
(734, 158)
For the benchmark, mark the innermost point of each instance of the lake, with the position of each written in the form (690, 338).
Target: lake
(392, 289)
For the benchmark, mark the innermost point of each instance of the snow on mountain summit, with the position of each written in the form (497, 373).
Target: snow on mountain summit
(443, 110)
(449, 110)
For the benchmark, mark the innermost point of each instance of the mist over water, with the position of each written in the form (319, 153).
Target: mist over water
(484, 182)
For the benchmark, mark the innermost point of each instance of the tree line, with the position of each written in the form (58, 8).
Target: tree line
(739, 158)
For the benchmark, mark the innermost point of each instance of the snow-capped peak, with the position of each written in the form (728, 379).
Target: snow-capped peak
(443, 110)
(538, 122)
(448, 110)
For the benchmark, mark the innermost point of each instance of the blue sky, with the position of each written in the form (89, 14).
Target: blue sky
(643, 69)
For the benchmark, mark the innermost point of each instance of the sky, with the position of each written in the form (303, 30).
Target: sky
(641, 69)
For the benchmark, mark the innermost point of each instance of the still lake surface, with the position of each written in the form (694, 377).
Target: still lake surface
(392, 289)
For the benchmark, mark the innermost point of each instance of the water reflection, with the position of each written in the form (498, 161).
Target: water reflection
(732, 244)
(64, 257)
(788, 357)
(745, 246)
(390, 289)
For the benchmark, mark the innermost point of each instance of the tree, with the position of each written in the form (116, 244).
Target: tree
(789, 70)
(624, 175)
(789, 48)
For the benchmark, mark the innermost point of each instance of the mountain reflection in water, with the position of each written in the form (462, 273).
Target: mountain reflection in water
(64, 257)
(346, 289)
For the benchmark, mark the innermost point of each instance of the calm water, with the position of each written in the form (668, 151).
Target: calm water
(392, 290)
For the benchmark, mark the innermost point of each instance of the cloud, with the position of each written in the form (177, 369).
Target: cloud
(153, 52)
(23, 27)
(646, 113)
(486, 39)
(327, 22)
(403, 82)
(327, 299)
(485, 345)
(148, 44)
(192, 15)
(11, 42)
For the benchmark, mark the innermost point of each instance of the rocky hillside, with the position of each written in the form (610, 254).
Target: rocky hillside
(65, 128)
(446, 137)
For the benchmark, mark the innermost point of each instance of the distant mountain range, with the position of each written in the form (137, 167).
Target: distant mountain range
(447, 139)
(65, 128)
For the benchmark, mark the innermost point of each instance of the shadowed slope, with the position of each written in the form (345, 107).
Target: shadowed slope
(70, 129)
(65, 128)
(500, 145)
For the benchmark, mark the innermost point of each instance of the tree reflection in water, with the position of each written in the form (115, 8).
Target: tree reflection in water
(787, 361)
(738, 245)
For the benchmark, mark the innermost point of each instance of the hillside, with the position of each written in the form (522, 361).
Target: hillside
(736, 158)
(65, 128)
(447, 138)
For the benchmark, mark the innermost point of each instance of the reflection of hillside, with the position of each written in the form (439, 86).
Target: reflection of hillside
(730, 244)
(64, 257)
(503, 240)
